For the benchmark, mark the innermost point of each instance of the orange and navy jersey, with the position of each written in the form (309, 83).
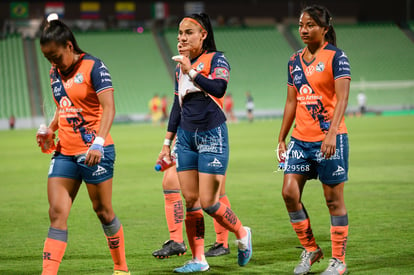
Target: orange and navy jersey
(200, 109)
(315, 86)
(76, 97)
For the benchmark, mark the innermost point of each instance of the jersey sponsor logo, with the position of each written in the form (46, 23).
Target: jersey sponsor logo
(65, 102)
(78, 78)
(57, 90)
(339, 171)
(305, 89)
(66, 107)
(215, 163)
(343, 62)
(320, 67)
(99, 171)
(222, 62)
(297, 79)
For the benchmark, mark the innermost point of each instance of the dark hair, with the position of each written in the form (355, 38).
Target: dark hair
(323, 18)
(60, 33)
(209, 44)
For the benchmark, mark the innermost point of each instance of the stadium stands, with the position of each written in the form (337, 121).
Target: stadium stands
(14, 96)
(381, 57)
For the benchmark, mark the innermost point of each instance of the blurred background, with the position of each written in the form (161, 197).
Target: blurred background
(136, 40)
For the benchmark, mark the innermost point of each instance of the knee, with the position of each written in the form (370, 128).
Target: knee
(104, 214)
(289, 197)
(332, 204)
(55, 213)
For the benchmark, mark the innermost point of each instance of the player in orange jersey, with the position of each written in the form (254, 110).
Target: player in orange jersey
(85, 109)
(317, 96)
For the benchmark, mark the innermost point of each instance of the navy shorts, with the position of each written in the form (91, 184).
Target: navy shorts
(206, 152)
(305, 158)
(74, 167)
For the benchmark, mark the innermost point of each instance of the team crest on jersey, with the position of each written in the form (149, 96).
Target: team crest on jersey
(320, 67)
(78, 78)
(200, 67)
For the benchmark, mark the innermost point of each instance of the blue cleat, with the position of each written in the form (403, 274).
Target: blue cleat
(245, 249)
(193, 266)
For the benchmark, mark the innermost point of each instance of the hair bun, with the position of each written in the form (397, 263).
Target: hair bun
(52, 16)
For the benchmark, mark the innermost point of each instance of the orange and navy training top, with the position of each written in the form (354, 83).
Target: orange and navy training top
(200, 109)
(76, 97)
(315, 86)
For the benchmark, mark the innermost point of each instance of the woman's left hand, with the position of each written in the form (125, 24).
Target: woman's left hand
(328, 146)
(94, 155)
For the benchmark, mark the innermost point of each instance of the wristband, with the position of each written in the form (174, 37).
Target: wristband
(192, 73)
(167, 142)
(99, 141)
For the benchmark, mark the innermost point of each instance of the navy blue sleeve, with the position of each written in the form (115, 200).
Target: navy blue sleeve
(175, 116)
(215, 87)
(220, 73)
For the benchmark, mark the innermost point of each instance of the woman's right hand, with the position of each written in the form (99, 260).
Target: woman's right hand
(281, 151)
(165, 153)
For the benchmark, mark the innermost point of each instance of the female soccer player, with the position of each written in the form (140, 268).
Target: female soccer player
(198, 121)
(317, 96)
(83, 93)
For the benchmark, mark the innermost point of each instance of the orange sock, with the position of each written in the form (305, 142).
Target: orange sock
(304, 232)
(226, 218)
(194, 224)
(174, 213)
(116, 244)
(53, 252)
(339, 238)
(222, 234)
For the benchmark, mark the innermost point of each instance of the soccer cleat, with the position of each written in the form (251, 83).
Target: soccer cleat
(193, 266)
(170, 248)
(217, 249)
(245, 249)
(307, 259)
(120, 272)
(335, 267)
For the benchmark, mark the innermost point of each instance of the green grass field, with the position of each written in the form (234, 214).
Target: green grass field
(379, 197)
